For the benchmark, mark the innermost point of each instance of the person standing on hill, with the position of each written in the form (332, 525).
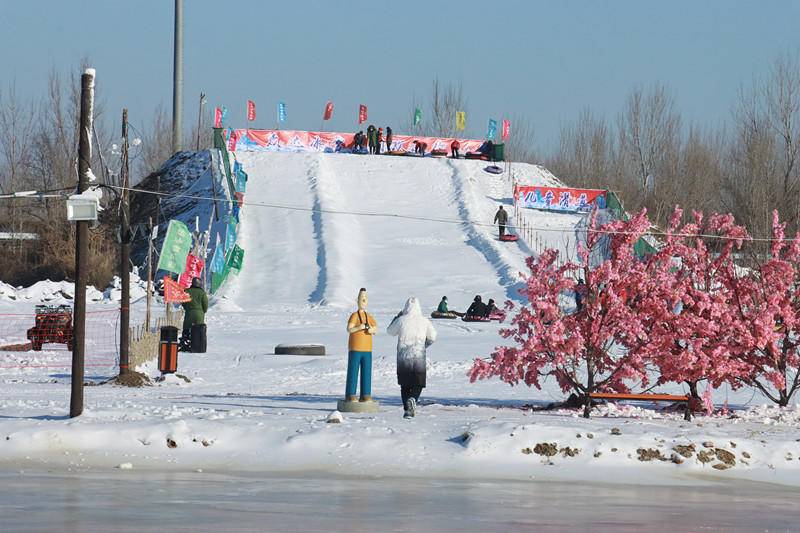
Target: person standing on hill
(388, 138)
(378, 141)
(371, 136)
(454, 146)
(414, 334)
(501, 217)
(194, 311)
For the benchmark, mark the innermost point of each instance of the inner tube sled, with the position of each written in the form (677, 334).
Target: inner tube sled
(450, 315)
(494, 169)
(509, 237)
(476, 319)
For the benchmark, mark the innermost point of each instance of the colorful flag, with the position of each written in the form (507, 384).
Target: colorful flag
(236, 260)
(173, 293)
(461, 120)
(217, 117)
(175, 247)
(251, 110)
(232, 141)
(491, 130)
(281, 112)
(362, 114)
(224, 114)
(230, 237)
(194, 269)
(506, 129)
(417, 116)
(218, 261)
(328, 111)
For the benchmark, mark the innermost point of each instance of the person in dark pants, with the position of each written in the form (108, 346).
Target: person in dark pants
(388, 138)
(194, 311)
(501, 217)
(477, 308)
(371, 136)
(414, 334)
(454, 146)
(378, 141)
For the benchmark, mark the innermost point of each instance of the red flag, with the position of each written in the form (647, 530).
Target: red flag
(328, 111)
(362, 114)
(173, 293)
(194, 269)
(251, 110)
(506, 129)
(217, 117)
(232, 142)
(239, 198)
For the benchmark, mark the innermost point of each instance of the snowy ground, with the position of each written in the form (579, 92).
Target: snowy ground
(247, 410)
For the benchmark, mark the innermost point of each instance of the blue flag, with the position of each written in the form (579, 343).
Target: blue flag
(218, 261)
(230, 236)
(491, 131)
(224, 113)
(281, 112)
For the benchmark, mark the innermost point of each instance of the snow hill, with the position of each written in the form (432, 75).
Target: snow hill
(321, 251)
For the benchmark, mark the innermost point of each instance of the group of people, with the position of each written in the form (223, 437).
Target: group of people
(477, 309)
(371, 142)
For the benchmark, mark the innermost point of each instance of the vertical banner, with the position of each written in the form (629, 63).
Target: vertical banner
(328, 111)
(223, 116)
(194, 269)
(417, 115)
(218, 261)
(217, 117)
(491, 130)
(362, 114)
(174, 293)
(461, 120)
(506, 129)
(281, 112)
(232, 141)
(251, 110)
(175, 247)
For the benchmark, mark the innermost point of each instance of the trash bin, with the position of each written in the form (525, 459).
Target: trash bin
(499, 152)
(168, 350)
(198, 338)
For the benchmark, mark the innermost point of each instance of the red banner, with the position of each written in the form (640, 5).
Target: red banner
(506, 129)
(362, 114)
(232, 141)
(239, 199)
(173, 293)
(328, 111)
(194, 269)
(217, 117)
(559, 198)
(310, 141)
(251, 110)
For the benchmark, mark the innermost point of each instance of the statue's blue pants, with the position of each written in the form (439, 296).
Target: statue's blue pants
(356, 361)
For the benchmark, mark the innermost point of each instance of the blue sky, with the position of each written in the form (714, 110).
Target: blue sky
(542, 60)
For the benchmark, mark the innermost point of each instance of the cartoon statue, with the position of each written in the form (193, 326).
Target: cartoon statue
(361, 326)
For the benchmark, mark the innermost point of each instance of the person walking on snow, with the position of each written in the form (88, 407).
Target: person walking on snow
(501, 217)
(194, 311)
(414, 334)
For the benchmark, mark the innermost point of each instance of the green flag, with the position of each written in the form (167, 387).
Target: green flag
(417, 115)
(236, 259)
(175, 248)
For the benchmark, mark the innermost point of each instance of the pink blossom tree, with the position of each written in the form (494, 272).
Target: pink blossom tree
(767, 299)
(596, 348)
(690, 291)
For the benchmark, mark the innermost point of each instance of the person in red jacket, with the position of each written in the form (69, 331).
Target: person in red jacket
(454, 146)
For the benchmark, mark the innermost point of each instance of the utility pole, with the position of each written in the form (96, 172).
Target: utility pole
(125, 256)
(149, 273)
(200, 119)
(81, 245)
(177, 78)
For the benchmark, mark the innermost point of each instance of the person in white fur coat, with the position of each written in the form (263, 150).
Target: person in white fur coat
(414, 334)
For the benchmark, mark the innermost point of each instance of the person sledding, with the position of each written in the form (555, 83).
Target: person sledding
(414, 334)
(501, 217)
(477, 309)
(442, 311)
(493, 312)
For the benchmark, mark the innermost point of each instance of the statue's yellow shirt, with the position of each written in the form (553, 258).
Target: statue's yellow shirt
(360, 341)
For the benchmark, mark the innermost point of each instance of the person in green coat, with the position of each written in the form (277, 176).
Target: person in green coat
(194, 311)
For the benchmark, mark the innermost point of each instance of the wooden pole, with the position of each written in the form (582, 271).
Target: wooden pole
(149, 273)
(125, 257)
(81, 246)
(200, 119)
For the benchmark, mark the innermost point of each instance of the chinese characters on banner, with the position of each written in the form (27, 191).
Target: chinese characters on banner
(194, 269)
(559, 198)
(175, 247)
(281, 112)
(217, 117)
(232, 141)
(506, 129)
(173, 292)
(251, 110)
(491, 130)
(362, 114)
(461, 120)
(328, 111)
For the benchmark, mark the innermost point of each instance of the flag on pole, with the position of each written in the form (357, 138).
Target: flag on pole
(173, 293)
(224, 114)
(218, 261)
(194, 269)
(328, 111)
(417, 115)
(461, 120)
(281, 112)
(362, 114)
(175, 247)
(491, 130)
(232, 141)
(506, 129)
(251, 110)
(217, 117)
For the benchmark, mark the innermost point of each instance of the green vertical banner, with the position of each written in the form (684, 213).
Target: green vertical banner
(175, 248)
(236, 260)
(417, 116)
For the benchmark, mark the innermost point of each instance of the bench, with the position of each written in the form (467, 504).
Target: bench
(687, 413)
